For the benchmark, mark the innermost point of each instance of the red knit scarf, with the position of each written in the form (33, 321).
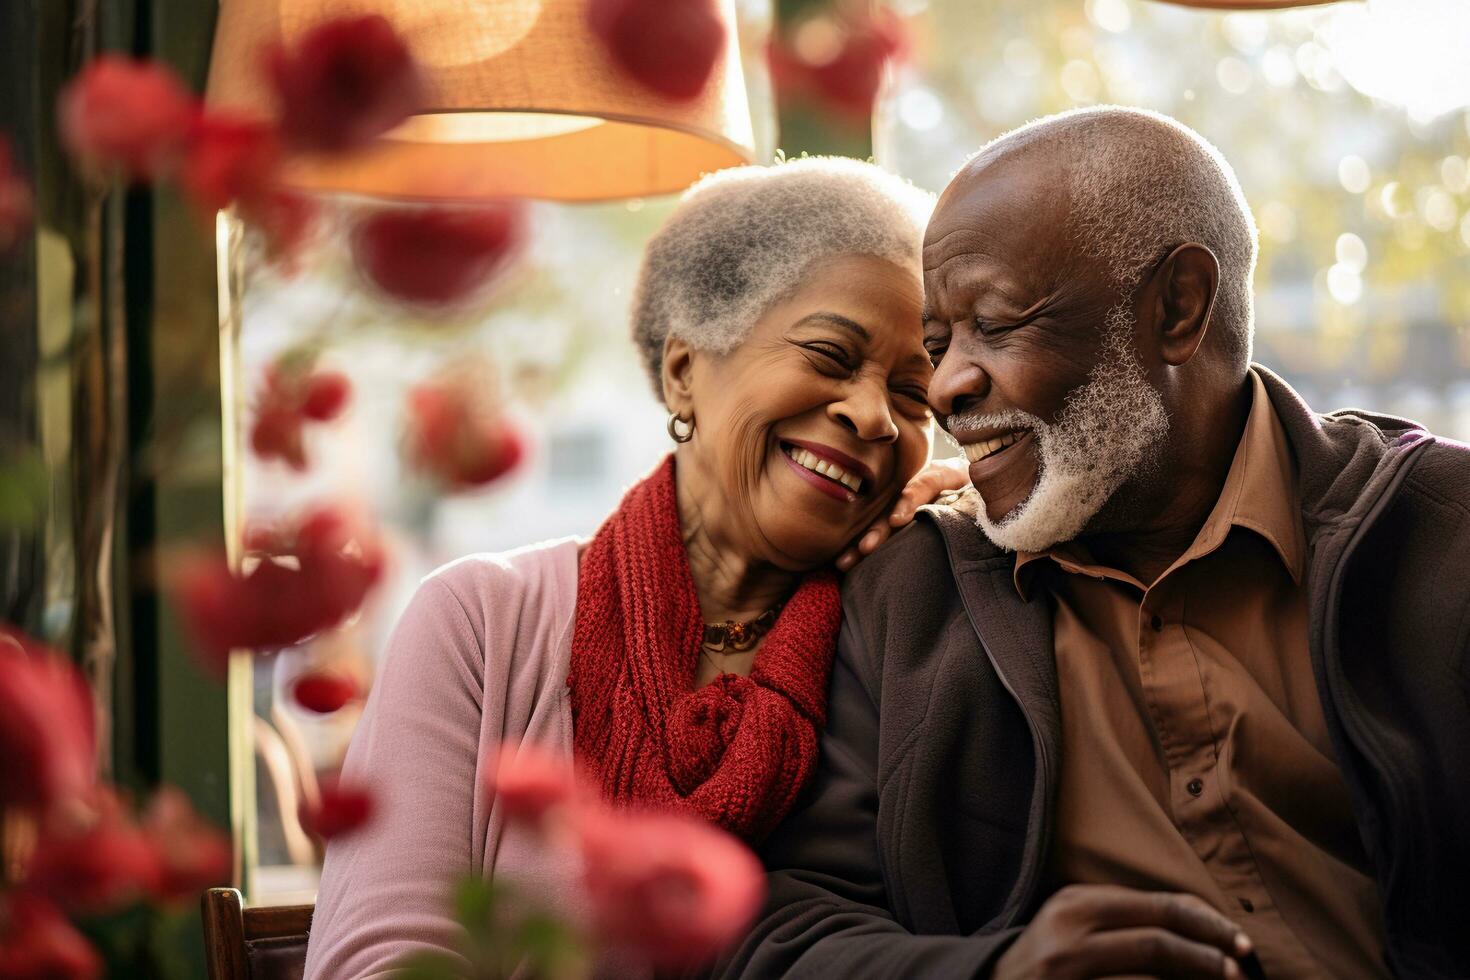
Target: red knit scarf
(736, 751)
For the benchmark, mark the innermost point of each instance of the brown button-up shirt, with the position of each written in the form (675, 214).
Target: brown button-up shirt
(1195, 756)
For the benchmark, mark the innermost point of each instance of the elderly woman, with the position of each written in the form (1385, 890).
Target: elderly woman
(682, 653)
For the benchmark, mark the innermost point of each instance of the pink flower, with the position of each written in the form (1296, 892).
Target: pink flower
(668, 888)
(17, 205)
(47, 728)
(347, 81)
(438, 256)
(37, 943)
(529, 782)
(128, 116)
(93, 859)
(287, 399)
(192, 855)
(457, 439)
(342, 809)
(847, 82)
(323, 691)
(670, 46)
(303, 578)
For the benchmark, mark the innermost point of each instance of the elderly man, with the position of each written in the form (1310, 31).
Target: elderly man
(1181, 688)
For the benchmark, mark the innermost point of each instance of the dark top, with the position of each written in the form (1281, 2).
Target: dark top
(922, 847)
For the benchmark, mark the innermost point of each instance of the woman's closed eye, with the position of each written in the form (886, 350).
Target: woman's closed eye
(834, 355)
(913, 392)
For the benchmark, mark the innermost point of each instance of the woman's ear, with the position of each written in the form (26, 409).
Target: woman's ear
(1189, 279)
(678, 376)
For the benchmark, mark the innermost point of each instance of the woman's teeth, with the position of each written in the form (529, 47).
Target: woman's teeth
(976, 451)
(828, 469)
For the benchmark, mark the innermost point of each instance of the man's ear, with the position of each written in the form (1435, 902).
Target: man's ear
(1188, 280)
(678, 376)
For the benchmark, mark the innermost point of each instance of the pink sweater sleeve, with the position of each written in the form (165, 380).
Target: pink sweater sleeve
(384, 891)
(480, 656)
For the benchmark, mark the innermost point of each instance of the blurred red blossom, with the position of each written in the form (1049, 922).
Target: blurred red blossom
(346, 82)
(93, 859)
(529, 781)
(438, 256)
(191, 854)
(301, 578)
(17, 205)
(289, 397)
(669, 888)
(229, 158)
(457, 436)
(38, 943)
(323, 691)
(47, 727)
(127, 116)
(842, 67)
(670, 46)
(342, 808)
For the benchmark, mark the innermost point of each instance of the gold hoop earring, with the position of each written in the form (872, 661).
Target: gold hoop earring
(675, 419)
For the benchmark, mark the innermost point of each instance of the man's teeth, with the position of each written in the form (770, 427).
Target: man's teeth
(975, 451)
(828, 469)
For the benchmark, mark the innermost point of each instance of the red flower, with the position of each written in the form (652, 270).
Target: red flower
(95, 859)
(17, 206)
(288, 398)
(323, 691)
(455, 437)
(848, 80)
(129, 116)
(670, 46)
(234, 159)
(342, 809)
(302, 579)
(439, 256)
(47, 728)
(529, 782)
(192, 855)
(37, 943)
(229, 158)
(348, 81)
(668, 888)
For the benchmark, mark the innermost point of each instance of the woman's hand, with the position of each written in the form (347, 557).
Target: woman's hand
(938, 477)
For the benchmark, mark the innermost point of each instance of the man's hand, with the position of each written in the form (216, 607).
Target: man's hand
(1086, 931)
(938, 477)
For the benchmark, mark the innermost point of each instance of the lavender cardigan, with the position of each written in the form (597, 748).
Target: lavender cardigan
(480, 655)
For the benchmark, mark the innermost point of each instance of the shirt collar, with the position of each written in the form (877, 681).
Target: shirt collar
(1260, 493)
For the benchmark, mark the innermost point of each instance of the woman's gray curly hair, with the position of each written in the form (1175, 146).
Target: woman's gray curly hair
(742, 239)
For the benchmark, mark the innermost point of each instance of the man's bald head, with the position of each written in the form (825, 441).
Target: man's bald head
(1133, 185)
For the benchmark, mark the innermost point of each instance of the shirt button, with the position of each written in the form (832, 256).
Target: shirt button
(1195, 787)
(1157, 623)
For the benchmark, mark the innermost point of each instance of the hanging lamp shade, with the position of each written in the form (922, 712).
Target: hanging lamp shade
(525, 101)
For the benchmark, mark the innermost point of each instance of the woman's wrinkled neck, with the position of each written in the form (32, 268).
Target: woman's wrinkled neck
(731, 583)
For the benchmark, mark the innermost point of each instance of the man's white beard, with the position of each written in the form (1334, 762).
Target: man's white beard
(1103, 436)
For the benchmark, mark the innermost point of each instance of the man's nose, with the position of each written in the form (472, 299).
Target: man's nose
(958, 383)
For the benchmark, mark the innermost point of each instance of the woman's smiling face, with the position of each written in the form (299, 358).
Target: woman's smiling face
(806, 432)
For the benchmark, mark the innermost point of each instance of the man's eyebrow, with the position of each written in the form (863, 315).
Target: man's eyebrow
(838, 320)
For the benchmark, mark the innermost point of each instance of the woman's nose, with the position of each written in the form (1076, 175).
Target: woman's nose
(868, 412)
(957, 382)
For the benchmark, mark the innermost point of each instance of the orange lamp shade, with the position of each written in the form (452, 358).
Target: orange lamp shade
(525, 101)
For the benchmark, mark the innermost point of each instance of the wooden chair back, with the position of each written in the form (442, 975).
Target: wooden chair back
(267, 943)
